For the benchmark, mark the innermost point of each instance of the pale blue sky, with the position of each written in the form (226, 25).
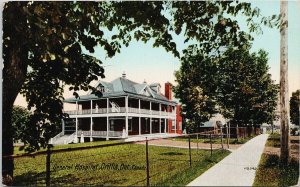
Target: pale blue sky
(142, 62)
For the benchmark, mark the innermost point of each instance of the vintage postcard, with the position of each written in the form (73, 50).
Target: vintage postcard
(150, 93)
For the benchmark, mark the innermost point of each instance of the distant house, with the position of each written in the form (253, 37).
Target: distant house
(214, 122)
(126, 109)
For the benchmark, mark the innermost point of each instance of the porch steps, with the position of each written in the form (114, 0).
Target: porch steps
(65, 139)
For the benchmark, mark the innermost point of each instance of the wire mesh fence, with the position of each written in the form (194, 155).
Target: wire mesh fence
(152, 161)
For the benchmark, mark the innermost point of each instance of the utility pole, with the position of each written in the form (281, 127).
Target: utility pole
(299, 106)
(284, 99)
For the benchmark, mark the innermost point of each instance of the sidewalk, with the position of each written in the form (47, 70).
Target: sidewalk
(237, 169)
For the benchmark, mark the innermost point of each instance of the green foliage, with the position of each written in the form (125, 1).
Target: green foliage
(246, 88)
(196, 87)
(43, 42)
(236, 84)
(20, 119)
(294, 107)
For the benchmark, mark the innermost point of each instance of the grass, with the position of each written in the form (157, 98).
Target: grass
(271, 173)
(186, 176)
(121, 165)
(18, 150)
(273, 140)
(216, 140)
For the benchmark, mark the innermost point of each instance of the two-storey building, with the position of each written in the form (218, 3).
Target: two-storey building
(126, 109)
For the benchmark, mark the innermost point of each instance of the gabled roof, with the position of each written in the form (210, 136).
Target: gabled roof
(124, 87)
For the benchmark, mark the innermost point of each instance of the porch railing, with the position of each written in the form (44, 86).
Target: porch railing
(164, 113)
(85, 133)
(145, 111)
(117, 110)
(100, 133)
(120, 110)
(115, 133)
(100, 111)
(133, 110)
(155, 112)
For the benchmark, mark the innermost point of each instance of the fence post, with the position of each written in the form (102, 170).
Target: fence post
(229, 130)
(147, 164)
(237, 133)
(48, 165)
(190, 151)
(197, 143)
(210, 137)
(227, 136)
(222, 138)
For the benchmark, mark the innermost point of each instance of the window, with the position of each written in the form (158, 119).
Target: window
(129, 124)
(173, 125)
(180, 125)
(111, 126)
(145, 92)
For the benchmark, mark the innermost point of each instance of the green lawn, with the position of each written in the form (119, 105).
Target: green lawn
(120, 165)
(19, 149)
(273, 140)
(215, 140)
(271, 173)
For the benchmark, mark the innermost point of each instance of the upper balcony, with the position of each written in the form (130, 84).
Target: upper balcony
(119, 110)
(123, 105)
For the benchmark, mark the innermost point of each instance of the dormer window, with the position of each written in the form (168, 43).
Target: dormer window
(155, 87)
(145, 92)
(103, 89)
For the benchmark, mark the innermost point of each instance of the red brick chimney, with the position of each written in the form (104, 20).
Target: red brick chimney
(168, 90)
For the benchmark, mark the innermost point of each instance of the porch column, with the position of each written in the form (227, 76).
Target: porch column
(107, 127)
(159, 109)
(63, 126)
(76, 130)
(126, 117)
(91, 106)
(107, 105)
(140, 130)
(165, 125)
(175, 126)
(150, 125)
(126, 104)
(159, 124)
(76, 125)
(76, 107)
(91, 128)
(126, 125)
(139, 106)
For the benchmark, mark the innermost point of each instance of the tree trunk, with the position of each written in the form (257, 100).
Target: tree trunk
(284, 100)
(14, 73)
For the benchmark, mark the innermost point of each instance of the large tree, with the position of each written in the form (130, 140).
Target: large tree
(236, 84)
(197, 82)
(246, 88)
(295, 107)
(43, 41)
